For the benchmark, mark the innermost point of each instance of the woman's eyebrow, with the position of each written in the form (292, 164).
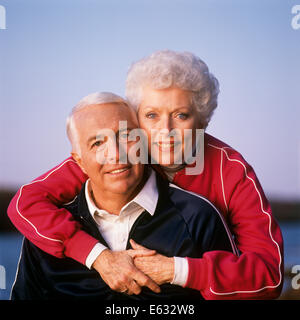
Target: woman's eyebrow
(162, 107)
(183, 107)
(151, 107)
(126, 129)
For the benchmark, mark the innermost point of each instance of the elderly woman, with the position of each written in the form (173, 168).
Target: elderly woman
(171, 90)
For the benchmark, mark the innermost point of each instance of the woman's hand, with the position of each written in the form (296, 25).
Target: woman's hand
(157, 267)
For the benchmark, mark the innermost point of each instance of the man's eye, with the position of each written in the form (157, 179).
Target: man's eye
(151, 115)
(97, 144)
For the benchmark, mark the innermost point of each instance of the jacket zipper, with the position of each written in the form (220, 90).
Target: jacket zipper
(128, 246)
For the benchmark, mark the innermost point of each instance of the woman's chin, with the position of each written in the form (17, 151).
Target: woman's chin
(167, 160)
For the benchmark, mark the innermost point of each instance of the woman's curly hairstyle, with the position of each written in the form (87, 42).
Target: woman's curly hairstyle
(165, 69)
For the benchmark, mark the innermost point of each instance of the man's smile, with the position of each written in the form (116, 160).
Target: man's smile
(119, 171)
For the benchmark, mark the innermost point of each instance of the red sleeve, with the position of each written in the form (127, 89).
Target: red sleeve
(34, 212)
(257, 272)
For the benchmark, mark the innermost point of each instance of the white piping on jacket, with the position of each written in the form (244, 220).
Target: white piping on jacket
(19, 197)
(233, 245)
(270, 233)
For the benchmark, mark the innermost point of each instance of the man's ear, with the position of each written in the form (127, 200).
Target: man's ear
(78, 160)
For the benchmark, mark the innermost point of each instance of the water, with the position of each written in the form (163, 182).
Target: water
(291, 238)
(10, 245)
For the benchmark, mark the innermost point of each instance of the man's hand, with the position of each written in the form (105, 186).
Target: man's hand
(119, 272)
(158, 267)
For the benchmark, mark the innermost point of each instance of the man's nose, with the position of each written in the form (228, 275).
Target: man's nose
(116, 152)
(111, 153)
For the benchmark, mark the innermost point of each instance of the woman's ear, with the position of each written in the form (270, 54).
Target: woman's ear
(78, 160)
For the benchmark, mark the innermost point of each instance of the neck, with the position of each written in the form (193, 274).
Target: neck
(173, 167)
(113, 202)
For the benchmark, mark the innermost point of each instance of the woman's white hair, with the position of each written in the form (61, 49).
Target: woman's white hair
(91, 99)
(165, 69)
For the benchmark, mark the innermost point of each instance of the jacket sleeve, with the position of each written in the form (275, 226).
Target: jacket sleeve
(35, 212)
(256, 273)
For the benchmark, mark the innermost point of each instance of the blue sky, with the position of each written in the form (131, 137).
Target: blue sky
(54, 52)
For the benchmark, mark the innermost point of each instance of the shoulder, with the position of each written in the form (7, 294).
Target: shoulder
(186, 202)
(190, 203)
(72, 206)
(200, 214)
(231, 162)
(77, 203)
(214, 145)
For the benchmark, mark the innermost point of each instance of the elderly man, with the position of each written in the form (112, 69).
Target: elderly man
(170, 91)
(120, 202)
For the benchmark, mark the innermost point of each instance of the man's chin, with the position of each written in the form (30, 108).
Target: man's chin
(121, 187)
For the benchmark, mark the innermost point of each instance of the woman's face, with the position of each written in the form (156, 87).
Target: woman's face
(166, 111)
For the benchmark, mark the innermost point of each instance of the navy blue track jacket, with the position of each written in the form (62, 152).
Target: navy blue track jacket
(183, 225)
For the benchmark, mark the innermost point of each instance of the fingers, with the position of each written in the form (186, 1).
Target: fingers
(140, 250)
(140, 253)
(133, 288)
(125, 283)
(145, 281)
(118, 271)
(134, 283)
(137, 246)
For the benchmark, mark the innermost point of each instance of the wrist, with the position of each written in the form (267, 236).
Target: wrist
(170, 268)
(101, 258)
(93, 255)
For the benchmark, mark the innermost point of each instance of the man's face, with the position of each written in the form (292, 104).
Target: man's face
(105, 173)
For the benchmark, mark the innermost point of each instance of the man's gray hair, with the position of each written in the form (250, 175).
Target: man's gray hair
(91, 99)
(165, 69)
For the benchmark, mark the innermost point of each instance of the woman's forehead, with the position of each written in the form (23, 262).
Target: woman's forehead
(162, 98)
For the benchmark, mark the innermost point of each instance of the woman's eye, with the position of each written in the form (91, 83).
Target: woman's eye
(182, 116)
(151, 115)
(124, 136)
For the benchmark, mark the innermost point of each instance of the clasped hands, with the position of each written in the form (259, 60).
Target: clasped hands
(128, 271)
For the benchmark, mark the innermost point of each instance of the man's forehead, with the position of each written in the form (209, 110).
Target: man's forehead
(105, 116)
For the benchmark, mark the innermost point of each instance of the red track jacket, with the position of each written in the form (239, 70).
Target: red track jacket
(227, 181)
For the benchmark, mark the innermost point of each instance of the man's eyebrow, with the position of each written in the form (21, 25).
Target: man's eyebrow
(91, 139)
(101, 135)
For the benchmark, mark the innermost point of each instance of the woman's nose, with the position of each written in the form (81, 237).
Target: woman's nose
(165, 123)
